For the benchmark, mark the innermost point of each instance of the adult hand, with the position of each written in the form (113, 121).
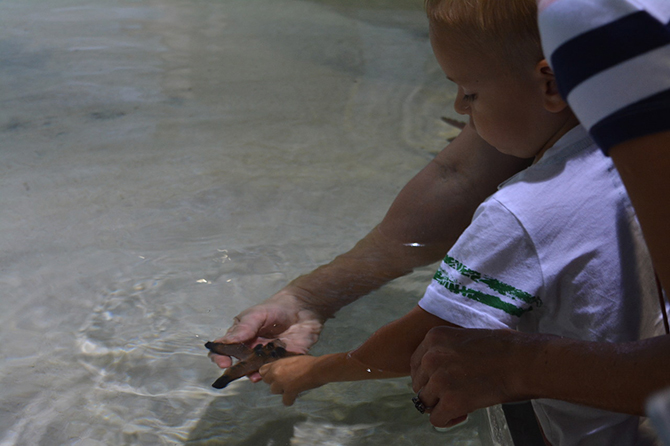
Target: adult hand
(283, 316)
(460, 370)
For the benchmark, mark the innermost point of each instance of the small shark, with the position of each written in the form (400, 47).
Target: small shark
(250, 359)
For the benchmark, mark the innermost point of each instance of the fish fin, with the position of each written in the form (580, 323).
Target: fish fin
(237, 350)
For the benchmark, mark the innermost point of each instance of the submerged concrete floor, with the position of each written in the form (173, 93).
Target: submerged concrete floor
(167, 163)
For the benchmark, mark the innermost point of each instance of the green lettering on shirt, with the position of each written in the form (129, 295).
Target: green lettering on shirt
(493, 284)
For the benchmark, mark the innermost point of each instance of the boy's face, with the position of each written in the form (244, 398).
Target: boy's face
(505, 107)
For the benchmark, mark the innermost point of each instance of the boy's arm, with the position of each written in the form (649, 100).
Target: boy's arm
(423, 222)
(386, 354)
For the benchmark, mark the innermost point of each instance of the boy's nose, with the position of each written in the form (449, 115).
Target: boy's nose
(460, 105)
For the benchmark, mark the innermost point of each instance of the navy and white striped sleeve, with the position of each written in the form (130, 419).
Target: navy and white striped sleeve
(612, 64)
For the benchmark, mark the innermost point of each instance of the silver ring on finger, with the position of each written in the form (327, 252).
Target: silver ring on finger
(420, 406)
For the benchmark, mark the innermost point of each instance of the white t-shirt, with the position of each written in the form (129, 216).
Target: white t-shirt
(557, 249)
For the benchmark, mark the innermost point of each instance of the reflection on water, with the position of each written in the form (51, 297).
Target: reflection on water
(167, 163)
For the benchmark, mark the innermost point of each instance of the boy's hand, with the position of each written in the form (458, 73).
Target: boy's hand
(280, 317)
(290, 376)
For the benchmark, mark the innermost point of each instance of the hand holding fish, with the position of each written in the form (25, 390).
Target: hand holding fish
(281, 316)
(250, 359)
(291, 376)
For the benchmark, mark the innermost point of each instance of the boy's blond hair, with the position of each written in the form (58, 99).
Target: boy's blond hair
(507, 28)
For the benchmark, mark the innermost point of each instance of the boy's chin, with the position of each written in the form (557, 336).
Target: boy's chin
(514, 150)
(519, 155)
(507, 147)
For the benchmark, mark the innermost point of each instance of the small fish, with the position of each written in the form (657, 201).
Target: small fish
(250, 359)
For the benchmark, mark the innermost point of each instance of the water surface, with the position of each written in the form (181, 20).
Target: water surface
(167, 163)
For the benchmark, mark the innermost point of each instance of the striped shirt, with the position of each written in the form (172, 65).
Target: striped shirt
(612, 64)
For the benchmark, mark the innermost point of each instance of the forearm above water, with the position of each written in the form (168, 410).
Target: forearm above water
(373, 262)
(424, 221)
(386, 354)
(615, 377)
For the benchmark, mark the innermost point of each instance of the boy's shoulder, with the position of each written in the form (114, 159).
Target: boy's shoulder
(573, 180)
(574, 162)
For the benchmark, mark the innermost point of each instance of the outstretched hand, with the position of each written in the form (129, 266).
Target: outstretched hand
(289, 377)
(461, 370)
(280, 317)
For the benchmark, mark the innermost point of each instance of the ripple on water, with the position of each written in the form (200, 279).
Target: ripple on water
(145, 218)
(152, 377)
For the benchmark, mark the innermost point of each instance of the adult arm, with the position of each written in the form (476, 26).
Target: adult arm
(463, 370)
(423, 222)
(425, 219)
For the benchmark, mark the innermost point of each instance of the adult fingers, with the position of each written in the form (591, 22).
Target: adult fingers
(439, 422)
(429, 357)
(418, 373)
(242, 331)
(439, 416)
(438, 381)
(244, 328)
(430, 394)
(222, 361)
(446, 410)
(255, 377)
(446, 414)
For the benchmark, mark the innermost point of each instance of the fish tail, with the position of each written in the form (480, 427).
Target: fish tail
(222, 382)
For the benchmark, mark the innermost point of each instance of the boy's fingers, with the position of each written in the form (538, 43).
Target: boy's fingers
(288, 399)
(263, 371)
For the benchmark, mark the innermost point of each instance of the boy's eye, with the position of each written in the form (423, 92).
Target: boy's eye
(469, 97)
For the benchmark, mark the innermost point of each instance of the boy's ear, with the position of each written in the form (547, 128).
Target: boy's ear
(553, 102)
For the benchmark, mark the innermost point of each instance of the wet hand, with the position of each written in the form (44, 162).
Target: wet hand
(289, 377)
(280, 317)
(251, 360)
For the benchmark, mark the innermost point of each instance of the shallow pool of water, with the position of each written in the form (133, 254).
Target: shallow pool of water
(167, 163)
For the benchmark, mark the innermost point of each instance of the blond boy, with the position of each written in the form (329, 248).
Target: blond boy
(556, 250)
